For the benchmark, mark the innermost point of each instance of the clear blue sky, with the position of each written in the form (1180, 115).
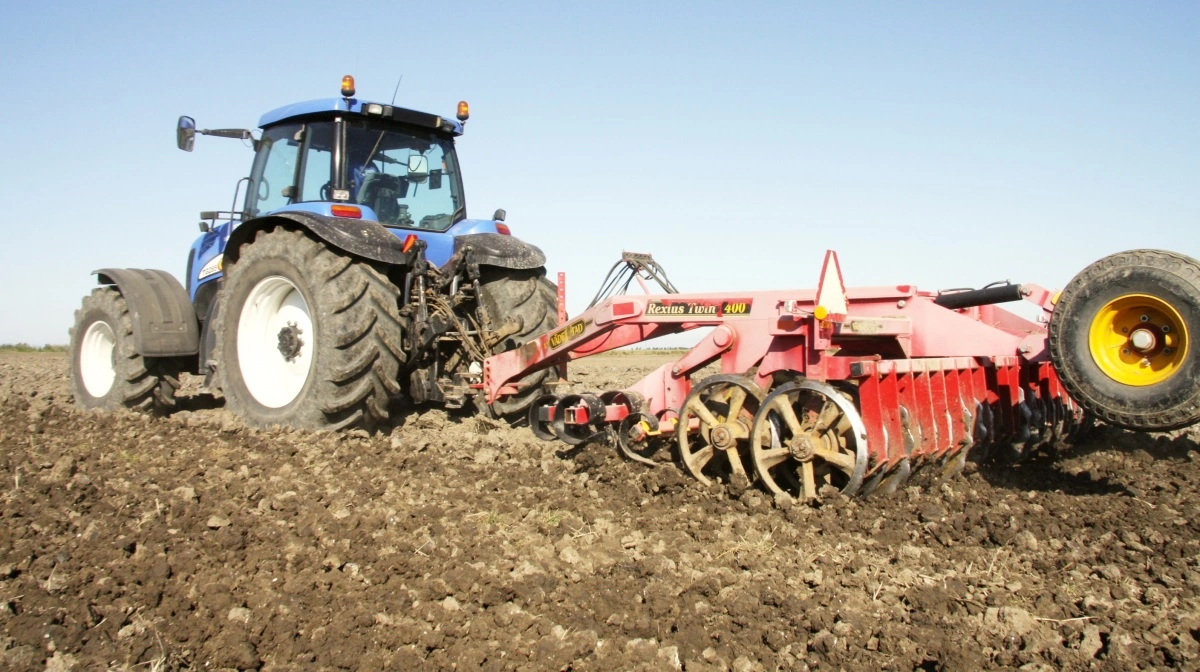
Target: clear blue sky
(943, 144)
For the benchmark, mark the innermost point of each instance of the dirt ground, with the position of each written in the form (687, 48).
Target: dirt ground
(192, 542)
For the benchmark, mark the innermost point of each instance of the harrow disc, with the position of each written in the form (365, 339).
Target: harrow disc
(543, 429)
(723, 408)
(808, 435)
(575, 434)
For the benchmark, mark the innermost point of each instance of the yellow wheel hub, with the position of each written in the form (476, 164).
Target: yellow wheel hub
(1138, 340)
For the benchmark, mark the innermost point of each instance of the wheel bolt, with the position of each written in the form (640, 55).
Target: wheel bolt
(1166, 328)
(1166, 351)
(1124, 330)
(1145, 318)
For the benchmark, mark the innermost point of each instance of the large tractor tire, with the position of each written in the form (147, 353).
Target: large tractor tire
(106, 371)
(526, 296)
(307, 336)
(1123, 339)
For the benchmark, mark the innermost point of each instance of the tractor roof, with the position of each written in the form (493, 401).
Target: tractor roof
(331, 106)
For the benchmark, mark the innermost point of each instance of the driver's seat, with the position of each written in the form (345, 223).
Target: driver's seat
(381, 193)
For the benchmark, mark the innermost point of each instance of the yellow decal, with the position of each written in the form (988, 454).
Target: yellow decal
(734, 308)
(568, 333)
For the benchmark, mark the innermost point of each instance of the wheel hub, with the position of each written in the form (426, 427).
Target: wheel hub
(1143, 340)
(290, 343)
(1138, 340)
(803, 448)
(723, 437)
(276, 342)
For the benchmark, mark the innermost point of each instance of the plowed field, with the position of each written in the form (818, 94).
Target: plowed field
(192, 542)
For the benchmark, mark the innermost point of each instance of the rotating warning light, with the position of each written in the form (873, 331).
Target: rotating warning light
(348, 86)
(464, 111)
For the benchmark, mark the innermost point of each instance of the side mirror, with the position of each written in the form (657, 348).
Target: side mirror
(185, 133)
(418, 167)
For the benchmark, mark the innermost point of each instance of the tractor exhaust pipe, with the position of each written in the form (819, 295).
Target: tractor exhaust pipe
(968, 298)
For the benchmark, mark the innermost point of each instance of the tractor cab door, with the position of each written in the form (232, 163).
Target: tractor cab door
(294, 164)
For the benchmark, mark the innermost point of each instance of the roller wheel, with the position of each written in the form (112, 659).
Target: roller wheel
(808, 435)
(106, 372)
(1123, 339)
(718, 448)
(307, 336)
(529, 299)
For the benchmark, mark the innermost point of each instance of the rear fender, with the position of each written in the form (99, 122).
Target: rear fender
(360, 237)
(495, 249)
(164, 322)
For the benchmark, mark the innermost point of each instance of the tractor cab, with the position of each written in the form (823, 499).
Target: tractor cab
(350, 164)
(350, 161)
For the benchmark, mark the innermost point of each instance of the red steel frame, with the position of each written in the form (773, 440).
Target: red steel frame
(931, 380)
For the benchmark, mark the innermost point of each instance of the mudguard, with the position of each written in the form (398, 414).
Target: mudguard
(164, 322)
(362, 238)
(495, 249)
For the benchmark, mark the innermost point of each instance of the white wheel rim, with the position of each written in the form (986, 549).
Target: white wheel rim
(96, 359)
(275, 375)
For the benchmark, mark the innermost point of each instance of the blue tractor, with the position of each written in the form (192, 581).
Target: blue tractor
(351, 279)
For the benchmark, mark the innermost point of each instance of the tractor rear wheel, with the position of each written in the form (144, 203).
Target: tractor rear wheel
(1123, 339)
(106, 371)
(527, 297)
(307, 336)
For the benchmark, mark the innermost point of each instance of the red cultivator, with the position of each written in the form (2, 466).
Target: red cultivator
(857, 388)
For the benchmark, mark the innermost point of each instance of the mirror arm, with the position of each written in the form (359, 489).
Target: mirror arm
(236, 133)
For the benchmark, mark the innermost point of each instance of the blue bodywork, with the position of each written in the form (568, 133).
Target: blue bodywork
(204, 265)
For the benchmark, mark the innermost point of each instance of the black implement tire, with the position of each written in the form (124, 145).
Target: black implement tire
(1124, 339)
(307, 336)
(528, 296)
(106, 371)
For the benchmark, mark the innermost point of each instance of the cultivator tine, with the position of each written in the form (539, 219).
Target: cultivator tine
(635, 432)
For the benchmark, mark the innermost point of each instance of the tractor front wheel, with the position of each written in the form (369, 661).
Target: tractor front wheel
(307, 336)
(1123, 339)
(106, 371)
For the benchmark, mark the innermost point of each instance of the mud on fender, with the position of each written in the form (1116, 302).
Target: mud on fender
(494, 249)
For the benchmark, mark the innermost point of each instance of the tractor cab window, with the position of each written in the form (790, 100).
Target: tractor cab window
(274, 170)
(294, 164)
(408, 177)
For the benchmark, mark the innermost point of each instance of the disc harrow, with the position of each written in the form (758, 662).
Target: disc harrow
(858, 390)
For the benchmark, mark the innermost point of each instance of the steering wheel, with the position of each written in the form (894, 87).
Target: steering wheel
(327, 191)
(264, 188)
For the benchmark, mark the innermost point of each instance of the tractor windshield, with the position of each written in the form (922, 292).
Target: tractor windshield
(407, 176)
